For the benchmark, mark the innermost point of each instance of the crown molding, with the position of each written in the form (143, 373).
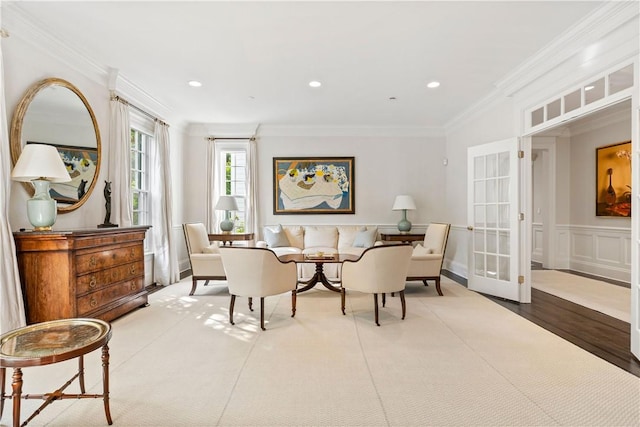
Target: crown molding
(250, 129)
(352, 131)
(35, 33)
(594, 26)
(476, 110)
(24, 27)
(600, 22)
(135, 95)
(222, 130)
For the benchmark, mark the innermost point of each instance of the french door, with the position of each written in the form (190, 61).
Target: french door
(493, 213)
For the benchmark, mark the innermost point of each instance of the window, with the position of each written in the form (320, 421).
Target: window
(609, 87)
(234, 182)
(140, 177)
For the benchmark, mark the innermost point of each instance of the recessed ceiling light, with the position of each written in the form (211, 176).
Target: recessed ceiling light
(589, 87)
(315, 83)
(195, 83)
(432, 85)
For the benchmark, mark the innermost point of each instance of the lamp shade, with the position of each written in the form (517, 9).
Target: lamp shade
(40, 161)
(226, 203)
(404, 202)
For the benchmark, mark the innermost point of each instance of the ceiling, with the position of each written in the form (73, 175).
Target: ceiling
(255, 59)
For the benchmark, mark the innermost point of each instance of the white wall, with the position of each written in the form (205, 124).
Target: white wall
(583, 170)
(24, 65)
(385, 165)
(561, 66)
(27, 61)
(583, 242)
(493, 124)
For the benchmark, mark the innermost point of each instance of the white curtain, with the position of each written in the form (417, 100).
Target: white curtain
(165, 264)
(12, 314)
(213, 192)
(120, 164)
(252, 185)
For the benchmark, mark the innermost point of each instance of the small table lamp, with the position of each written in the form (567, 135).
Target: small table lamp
(40, 164)
(404, 203)
(226, 203)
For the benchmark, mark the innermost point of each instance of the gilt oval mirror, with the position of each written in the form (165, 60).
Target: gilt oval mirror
(54, 112)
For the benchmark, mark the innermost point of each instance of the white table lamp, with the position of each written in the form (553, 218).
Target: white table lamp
(404, 203)
(227, 204)
(40, 164)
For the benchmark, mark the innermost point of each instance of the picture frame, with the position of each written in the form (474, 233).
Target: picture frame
(313, 185)
(81, 165)
(613, 180)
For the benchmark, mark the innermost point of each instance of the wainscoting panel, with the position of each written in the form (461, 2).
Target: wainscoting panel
(601, 251)
(563, 239)
(148, 269)
(456, 255)
(537, 249)
(581, 246)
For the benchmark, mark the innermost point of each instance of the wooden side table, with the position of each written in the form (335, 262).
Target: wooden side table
(404, 238)
(51, 342)
(230, 237)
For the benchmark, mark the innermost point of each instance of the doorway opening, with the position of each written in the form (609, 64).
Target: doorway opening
(567, 238)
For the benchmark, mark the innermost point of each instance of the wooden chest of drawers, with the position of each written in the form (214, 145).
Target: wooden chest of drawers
(81, 273)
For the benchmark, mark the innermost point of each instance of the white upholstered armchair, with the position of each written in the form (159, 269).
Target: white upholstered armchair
(427, 258)
(379, 270)
(204, 257)
(257, 272)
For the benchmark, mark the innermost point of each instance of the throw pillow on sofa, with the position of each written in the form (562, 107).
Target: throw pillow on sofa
(321, 236)
(347, 233)
(276, 237)
(365, 239)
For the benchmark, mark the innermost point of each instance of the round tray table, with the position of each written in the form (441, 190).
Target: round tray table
(51, 342)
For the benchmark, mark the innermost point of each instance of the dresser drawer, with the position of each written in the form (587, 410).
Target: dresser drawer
(98, 279)
(101, 297)
(111, 257)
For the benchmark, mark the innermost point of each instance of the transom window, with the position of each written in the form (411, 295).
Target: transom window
(609, 87)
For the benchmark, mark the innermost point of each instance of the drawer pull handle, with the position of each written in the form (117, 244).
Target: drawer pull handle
(132, 254)
(132, 270)
(93, 302)
(92, 261)
(133, 286)
(93, 282)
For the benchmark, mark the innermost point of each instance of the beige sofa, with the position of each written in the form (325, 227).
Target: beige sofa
(292, 239)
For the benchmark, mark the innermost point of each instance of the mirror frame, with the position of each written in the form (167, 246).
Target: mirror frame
(15, 137)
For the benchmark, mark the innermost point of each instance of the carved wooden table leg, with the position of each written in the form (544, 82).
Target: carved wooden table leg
(16, 386)
(81, 373)
(105, 382)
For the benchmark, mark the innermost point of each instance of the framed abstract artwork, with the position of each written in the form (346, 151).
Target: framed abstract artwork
(613, 180)
(81, 165)
(313, 185)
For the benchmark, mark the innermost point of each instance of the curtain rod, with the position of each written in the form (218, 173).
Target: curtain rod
(125, 102)
(213, 138)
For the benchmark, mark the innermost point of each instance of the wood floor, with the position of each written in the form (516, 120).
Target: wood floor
(602, 335)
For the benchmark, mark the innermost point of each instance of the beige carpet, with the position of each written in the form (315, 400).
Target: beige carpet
(606, 298)
(456, 360)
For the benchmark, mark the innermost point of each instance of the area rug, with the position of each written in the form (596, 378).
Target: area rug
(609, 299)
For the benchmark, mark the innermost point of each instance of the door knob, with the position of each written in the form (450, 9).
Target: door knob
(470, 227)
